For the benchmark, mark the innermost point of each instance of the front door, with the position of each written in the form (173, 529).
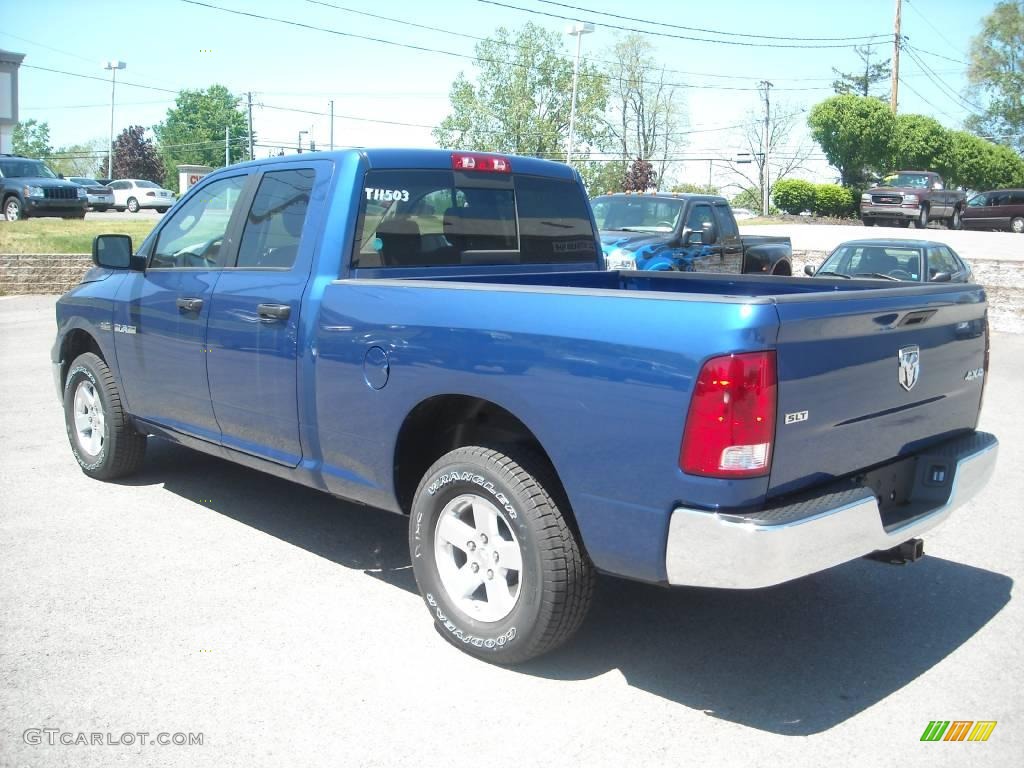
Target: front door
(162, 349)
(255, 323)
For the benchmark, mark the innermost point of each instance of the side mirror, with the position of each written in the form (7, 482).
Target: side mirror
(809, 270)
(941, 277)
(112, 251)
(937, 185)
(692, 238)
(707, 234)
(60, 175)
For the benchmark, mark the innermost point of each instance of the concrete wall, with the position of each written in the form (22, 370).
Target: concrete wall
(41, 272)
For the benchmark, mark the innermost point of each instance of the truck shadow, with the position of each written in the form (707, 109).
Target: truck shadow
(794, 660)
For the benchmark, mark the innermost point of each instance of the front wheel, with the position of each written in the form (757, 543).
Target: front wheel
(133, 205)
(13, 210)
(499, 568)
(956, 220)
(921, 222)
(103, 440)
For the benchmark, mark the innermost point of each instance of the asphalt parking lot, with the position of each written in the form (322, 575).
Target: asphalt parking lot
(283, 625)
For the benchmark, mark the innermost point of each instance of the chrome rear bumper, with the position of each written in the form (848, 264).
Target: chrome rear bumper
(709, 549)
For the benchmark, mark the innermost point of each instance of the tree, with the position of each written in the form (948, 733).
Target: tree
(918, 143)
(996, 73)
(781, 162)
(696, 189)
(640, 176)
(646, 112)
(974, 163)
(31, 139)
(856, 135)
(601, 176)
(519, 101)
(861, 84)
(193, 131)
(135, 157)
(87, 159)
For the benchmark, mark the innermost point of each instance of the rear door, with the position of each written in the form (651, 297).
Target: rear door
(161, 344)
(255, 314)
(866, 376)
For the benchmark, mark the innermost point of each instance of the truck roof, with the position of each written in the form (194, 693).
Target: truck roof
(667, 196)
(427, 159)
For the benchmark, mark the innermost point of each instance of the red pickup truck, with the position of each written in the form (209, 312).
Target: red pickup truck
(912, 198)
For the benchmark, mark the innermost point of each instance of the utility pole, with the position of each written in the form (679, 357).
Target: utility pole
(894, 99)
(227, 145)
(764, 159)
(579, 29)
(332, 125)
(249, 95)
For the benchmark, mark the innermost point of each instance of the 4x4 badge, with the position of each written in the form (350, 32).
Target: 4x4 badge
(910, 366)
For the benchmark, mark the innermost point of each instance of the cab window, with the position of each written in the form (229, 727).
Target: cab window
(273, 228)
(192, 237)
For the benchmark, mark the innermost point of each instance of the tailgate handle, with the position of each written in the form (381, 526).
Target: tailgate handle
(189, 305)
(274, 311)
(917, 318)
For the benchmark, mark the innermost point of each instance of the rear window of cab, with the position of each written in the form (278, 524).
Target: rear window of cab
(428, 218)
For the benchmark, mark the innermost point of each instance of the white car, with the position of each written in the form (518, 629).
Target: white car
(743, 213)
(134, 194)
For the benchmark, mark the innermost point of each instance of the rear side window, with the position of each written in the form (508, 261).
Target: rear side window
(726, 222)
(273, 228)
(1017, 197)
(412, 218)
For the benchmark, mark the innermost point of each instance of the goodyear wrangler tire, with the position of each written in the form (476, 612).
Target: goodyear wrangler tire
(103, 440)
(501, 571)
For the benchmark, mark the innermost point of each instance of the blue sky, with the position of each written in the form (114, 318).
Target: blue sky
(171, 44)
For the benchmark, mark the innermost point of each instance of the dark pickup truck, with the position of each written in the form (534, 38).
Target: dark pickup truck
(684, 233)
(912, 198)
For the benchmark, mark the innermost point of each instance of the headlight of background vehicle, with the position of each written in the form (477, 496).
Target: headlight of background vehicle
(82, 194)
(620, 258)
(34, 192)
(910, 199)
(865, 198)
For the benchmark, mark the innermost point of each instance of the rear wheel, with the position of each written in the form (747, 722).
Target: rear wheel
(103, 440)
(133, 205)
(1017, 225)
(499, 568)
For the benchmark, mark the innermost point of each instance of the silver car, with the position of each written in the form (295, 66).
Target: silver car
(100, 198)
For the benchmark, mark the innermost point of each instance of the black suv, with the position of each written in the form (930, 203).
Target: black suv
(29, 188)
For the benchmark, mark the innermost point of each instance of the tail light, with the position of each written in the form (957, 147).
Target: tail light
(462, 161)
(151, 194)
(731, 422)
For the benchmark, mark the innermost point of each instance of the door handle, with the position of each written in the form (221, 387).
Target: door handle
(274, 311)
(189, 305)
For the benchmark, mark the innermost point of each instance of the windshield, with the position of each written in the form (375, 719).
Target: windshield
(14, 169)
(147, 184)
(916, 180)
(900, 262)
(84, 181)
(637, 214)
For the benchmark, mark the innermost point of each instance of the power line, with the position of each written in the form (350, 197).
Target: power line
(674, 36)
(939, 56)
(944, 88)
(926, 101)
(924, 18)
(96, 77)
(700, 29)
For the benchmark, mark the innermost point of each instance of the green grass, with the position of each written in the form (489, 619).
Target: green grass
(65, 235)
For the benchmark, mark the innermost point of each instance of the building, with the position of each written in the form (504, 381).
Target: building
(9, 64)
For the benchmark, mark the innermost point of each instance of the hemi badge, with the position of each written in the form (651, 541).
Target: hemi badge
(977, 373)
(796, 418)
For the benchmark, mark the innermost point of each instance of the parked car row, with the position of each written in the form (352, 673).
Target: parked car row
(30, 188)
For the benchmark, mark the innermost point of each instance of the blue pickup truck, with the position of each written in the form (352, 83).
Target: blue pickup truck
(433, 334)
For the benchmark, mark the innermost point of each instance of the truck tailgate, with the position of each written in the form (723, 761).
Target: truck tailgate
(853, 393)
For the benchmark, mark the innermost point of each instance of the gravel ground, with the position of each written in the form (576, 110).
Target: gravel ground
(281, 624)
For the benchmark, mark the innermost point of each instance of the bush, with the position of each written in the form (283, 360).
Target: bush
(793, 195)
(833, 200)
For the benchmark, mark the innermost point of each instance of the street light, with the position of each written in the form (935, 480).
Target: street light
(301, 134)
(579, 29)
(113, 66)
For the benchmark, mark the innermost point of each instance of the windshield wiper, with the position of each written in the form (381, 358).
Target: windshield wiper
(876, 274)
(630, 229)
(830, 272)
